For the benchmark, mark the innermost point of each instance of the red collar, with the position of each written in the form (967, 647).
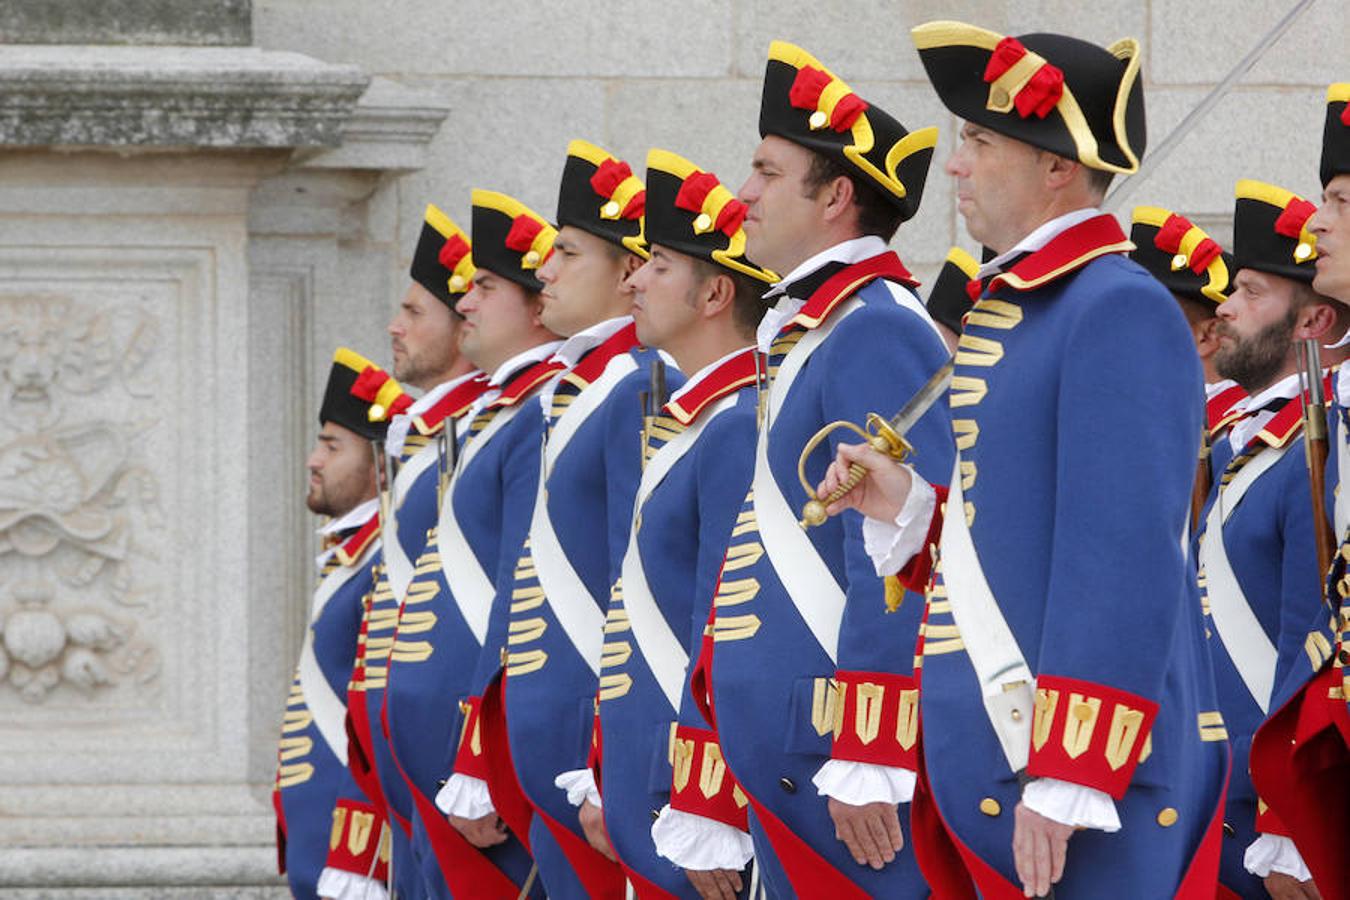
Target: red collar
(351, 549)
(519, 387)
(1289, 420)
(593, 362)
(1219, 411)
(732, 375)
(846, 282)
(452, 405)
(1067, 252)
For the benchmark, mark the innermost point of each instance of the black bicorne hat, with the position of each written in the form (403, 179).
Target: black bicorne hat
(1270, 231)
(1181, 255)
(949, 299)
(361, 396)
(806, 103)
(509, 238)
(1055, 92)
(690, 211)
(442, 262)
(1336, 134)
(600, 194)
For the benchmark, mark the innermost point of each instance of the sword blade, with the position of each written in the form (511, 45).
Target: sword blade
(932, 391)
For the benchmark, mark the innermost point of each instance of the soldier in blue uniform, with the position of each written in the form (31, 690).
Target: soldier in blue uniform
(698, 298)
(436, 643)
(801, 635)
(425, 336)
(312, 759)
(1300, 758)
(1257, 550)
(589, 472)
(1066, 689)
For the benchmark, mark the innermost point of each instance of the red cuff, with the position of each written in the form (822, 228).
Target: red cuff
(469, 759)
(877, 720)
(359, 841)
(1088, 733)
(702, 784)
(917, 572)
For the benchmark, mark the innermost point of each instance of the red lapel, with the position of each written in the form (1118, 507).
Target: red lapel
(732, 375)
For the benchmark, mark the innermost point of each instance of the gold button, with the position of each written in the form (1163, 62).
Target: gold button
(1082, 712)
(456, 283)
(1303, 252)
(818, 120)
(1168, 817)
(702, 223)
(531, 258)
(998, 98)
(990, 807)
(1017, 715)
(610, 210)
(1179, 262)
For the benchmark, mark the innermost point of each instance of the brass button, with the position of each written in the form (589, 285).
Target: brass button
(1303, 252)
(787, 785)
(818, 120)
(1229, 830)
(456, 283)
(1168, 817)
(990, 807)
(610, 210)
(531, 258)
(702, 223)
(999, 98)
(1016, 715)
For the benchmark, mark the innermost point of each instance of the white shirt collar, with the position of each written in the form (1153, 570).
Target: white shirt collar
(703, 373)
(1039, 238)
(1249, 427)
(354, 519)
(847, 252)
(575, 347)
(1215, 388)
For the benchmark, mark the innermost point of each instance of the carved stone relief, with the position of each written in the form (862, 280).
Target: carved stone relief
(79, 503)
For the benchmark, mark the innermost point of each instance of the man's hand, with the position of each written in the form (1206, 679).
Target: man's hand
(1039, 848)
(593, 826)
(871, 831)
(1287, 887)
(715, 884)
(882, 492)
(489, 831)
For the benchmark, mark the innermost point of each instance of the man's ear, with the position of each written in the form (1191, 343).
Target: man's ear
(839, 198)
(631, 263)
(1061, 170)
(719, 295)
(1316, 320)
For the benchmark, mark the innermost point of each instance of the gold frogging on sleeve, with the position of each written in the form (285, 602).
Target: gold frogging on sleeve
(1080, 721)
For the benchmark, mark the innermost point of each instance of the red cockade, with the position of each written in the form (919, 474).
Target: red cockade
(608, 176)
(694, 192)
(1039, 95)
(807, 88)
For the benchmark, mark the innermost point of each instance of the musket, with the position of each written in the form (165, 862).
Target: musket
(447, 455)
(383, 477)
(1204, 480)
(1315, 447)
(653, 400)
(884, 435)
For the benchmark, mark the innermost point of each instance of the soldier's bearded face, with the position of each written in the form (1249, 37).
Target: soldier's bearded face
(1331, 224)
(424, 337)
(582, 279)
(665, 307)
(784, 219)
(341, 471)
(1256, 330)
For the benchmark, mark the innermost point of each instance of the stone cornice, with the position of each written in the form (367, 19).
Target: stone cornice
(173, 96)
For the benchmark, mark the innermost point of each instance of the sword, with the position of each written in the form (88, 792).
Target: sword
(447, 454)
(653, 400)
(885, 435)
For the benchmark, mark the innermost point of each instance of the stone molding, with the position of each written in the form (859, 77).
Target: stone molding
(193, 97)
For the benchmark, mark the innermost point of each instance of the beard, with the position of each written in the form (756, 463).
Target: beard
(318, 502)
(1254, 362)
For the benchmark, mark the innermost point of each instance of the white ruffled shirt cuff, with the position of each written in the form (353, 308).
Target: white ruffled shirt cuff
(859, 783)
(466, 796)
(580, 787)
(338, 884)
(1274, 853)
(891, 545)
(695, 842)
(1072, 804)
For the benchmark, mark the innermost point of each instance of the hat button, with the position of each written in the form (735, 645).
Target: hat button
(457, 283)
(818, 120)
(1303, 252)
(531, 258)
(610, 210)
(787, 784)
(1179, 262)
(702, 223)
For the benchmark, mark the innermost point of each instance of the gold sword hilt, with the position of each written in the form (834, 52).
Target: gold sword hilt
(878, 433)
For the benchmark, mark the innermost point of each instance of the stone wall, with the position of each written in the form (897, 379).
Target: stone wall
(525, 78)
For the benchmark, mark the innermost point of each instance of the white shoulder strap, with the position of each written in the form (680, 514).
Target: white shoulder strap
(397, 564)
(1249, 647)
(661, 648)
(808, 581)
(589, 400)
